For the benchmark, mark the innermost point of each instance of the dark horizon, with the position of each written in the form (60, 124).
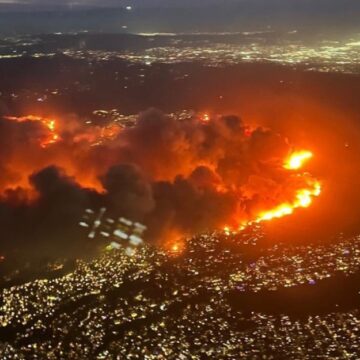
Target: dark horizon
(231, 16)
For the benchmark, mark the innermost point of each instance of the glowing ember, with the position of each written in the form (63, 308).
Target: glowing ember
(176, 248)
(248, 131)
(227, 230)
(297, 160)
(205, 117)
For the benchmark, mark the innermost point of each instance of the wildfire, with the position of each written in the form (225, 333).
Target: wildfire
(296, 189)
(50, 124)
(303, 197)
(297, 160)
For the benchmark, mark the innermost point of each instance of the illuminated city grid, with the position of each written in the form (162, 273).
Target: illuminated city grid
(325, 55)
(161, 305)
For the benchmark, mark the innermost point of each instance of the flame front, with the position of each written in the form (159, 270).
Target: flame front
(50, 124)
(303, 197)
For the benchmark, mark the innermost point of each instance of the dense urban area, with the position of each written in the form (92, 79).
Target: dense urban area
(291, 48)
(220, 296)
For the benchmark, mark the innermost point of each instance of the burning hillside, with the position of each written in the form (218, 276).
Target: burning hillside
(175, 176)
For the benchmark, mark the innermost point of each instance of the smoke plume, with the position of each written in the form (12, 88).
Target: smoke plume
(176, 176)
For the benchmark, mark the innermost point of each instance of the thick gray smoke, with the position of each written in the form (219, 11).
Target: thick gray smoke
(184, 176)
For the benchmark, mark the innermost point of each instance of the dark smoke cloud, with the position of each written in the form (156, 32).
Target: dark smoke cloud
(189, 207)
(48, 224)
(174, 176)
(128, 191)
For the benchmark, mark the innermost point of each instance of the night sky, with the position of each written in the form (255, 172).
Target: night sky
(326, 5)
(180, 16)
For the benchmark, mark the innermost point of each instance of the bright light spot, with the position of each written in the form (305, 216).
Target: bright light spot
(205, 117)
(227, 230)
(176, 247)
(297, 160)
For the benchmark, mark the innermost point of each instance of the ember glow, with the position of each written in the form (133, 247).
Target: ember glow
(205, 117)
(175, 243)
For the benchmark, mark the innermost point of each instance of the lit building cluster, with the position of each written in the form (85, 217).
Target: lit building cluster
(154, 305)
(328, 55)
(284, 267)
(215, 331)
(334, 57)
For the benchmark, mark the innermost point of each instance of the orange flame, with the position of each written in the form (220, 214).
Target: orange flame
(297, 160)
(303, 197)
(49, 123)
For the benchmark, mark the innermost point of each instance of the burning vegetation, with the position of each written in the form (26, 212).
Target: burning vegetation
(303, 197)
(52, 136)
(176, 176)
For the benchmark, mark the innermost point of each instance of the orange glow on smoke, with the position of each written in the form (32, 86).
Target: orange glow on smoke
(49, 123)
(48, 155)
(71, 154)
